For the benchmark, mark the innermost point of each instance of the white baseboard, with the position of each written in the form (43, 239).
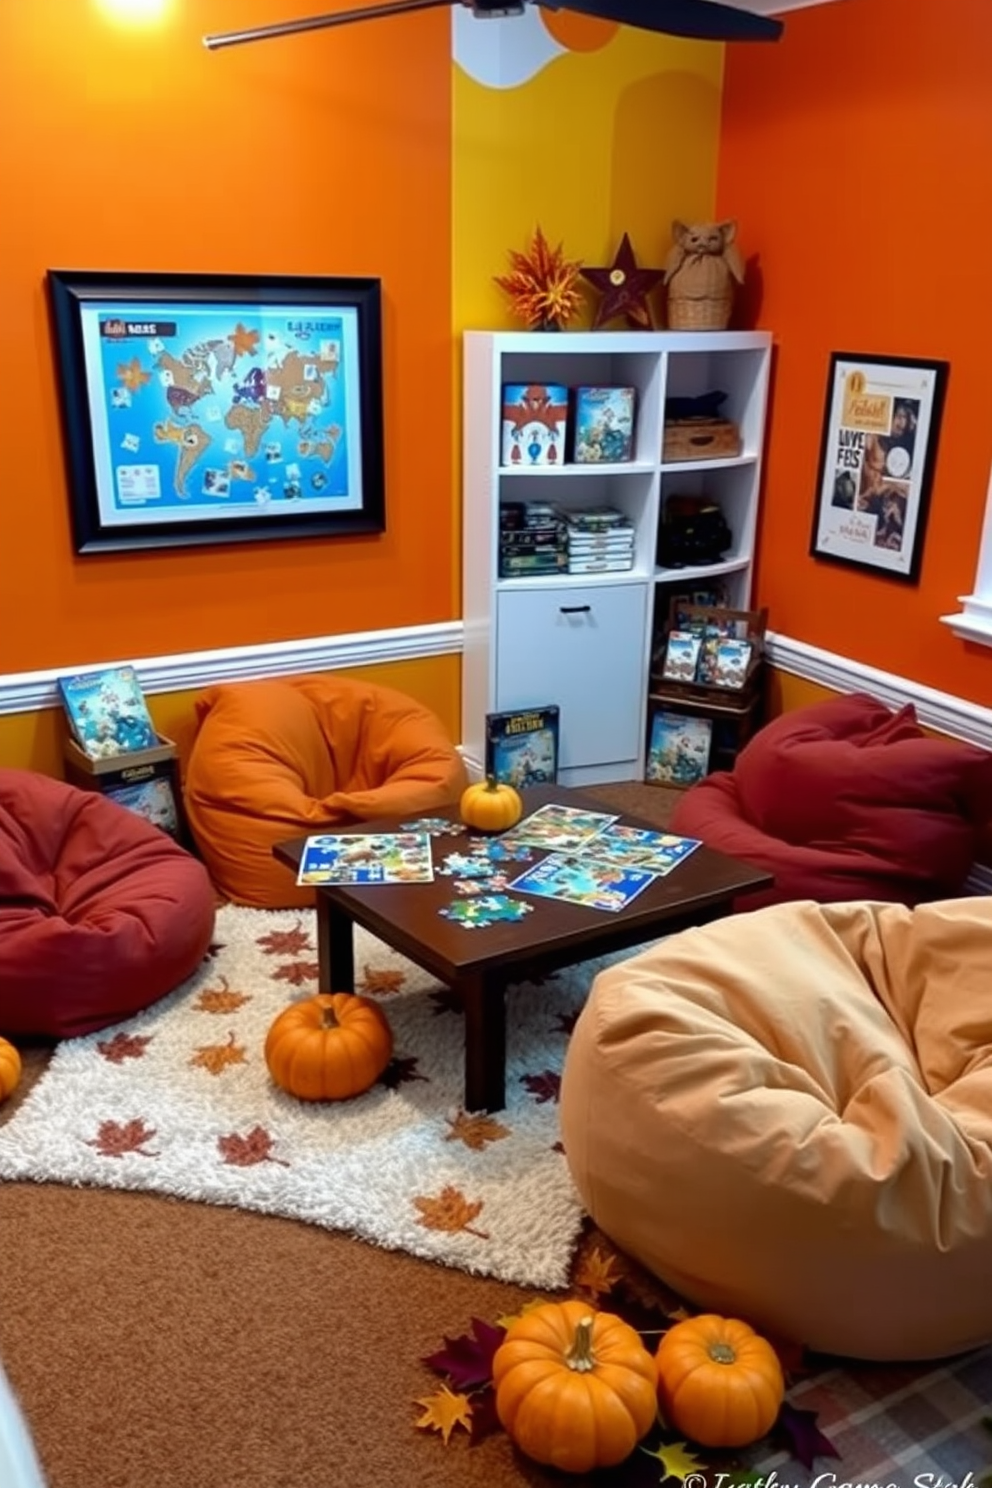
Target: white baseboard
(26, 692)
(942, 711)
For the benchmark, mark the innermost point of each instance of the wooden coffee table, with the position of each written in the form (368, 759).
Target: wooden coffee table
(479, 965)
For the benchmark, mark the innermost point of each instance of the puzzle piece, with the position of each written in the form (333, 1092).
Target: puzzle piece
(435, 826)
(474, 886)
(476, 914)
(459, 865)
(499, 852)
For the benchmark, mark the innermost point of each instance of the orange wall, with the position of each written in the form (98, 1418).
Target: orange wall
(326, 153)
(855, 154)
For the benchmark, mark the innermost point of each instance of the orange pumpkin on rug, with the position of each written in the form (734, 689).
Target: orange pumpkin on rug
(10, 1069)
(575, 1388)
(329, 1047)
(719, 1382)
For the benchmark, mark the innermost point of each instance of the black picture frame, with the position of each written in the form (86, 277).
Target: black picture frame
(878, 451)
(215, 408)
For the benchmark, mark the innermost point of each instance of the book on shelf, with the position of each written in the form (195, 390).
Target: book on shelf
(151, 799)
(731, 663)
(534, 424)
(522, 746)
(679, 751)
(106, 712)
(604, 424)
(682, 655)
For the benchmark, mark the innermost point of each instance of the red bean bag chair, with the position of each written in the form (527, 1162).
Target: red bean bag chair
(282, 758)
(101, 913)
(845, 800)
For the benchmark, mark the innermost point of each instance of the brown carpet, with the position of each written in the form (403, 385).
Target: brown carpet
(161, 1344)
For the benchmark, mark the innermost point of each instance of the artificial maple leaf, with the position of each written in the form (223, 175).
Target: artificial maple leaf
(511, 1317)
(443, 1411)
(116, 1138)
(676, 1459)
(485, 1421)
(449, 1211)
(123, 1046)
(475, 1131)
(382, 983)
(220, 999)
(543, 1087)
(216, 1057)
(285, 942)
(805, 1439)
(297, 972)
(400, 1072)
(597, 1273)
(245, 1152)
(543, 285)
(468, 1359)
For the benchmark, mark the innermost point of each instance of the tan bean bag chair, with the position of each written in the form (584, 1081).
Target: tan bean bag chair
(277, 759)
(787, 1116)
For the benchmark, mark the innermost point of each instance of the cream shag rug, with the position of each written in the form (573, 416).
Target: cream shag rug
(178, 1100)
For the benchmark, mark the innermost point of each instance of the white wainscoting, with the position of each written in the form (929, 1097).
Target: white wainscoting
(25, 692)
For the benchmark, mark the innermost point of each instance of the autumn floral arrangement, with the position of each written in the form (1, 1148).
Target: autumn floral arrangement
(581, 1388)
(543, 285)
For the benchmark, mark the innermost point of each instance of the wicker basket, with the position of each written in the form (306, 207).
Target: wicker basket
(711, 313)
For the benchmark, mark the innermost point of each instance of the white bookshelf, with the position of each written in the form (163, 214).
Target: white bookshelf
(583, 641)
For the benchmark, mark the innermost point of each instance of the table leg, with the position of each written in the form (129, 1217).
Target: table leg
(335, 948)
(483, 998)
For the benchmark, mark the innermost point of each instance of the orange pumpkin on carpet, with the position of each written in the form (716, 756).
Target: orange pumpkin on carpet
(329, 1047)
(719, 1382)
(575, 1389)
(10, 1069)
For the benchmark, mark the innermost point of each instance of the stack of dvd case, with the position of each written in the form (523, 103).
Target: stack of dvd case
(599, 540)
(531, 540)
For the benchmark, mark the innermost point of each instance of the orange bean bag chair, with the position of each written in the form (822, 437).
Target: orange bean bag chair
(101, 913)
(294, 755)
(787, 1116)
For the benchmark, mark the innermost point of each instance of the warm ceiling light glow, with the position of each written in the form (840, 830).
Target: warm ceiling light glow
(135, 12)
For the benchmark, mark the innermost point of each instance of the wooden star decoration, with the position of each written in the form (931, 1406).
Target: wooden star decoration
(624, 288)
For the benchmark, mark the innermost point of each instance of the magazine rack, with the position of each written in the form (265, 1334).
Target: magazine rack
(735, 713)
(131, 777)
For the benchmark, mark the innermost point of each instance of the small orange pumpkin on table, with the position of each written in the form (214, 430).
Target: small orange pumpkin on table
(719, 1382)
(490, 805)
(10, 1069)
(329, 1047)
(575, 1389)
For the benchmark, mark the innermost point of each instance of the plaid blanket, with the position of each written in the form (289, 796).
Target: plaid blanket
(893, 1426)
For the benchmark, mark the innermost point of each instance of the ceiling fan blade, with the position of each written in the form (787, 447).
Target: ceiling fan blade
(318, 22)
(703, 20)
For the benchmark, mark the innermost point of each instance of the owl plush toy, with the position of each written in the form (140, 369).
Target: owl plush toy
(700, 271)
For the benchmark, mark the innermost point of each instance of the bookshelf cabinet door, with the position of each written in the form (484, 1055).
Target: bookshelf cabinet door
(582, 648)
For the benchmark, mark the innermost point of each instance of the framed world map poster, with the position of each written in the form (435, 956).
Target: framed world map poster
(204, 409)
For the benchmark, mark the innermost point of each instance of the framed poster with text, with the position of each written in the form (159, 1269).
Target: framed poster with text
(880, 429)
